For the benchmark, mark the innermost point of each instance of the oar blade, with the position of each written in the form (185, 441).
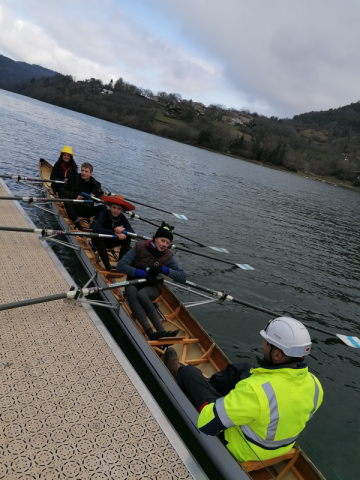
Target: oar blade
(218, 249)
(181, 216)
(245, 266)
(349, 341)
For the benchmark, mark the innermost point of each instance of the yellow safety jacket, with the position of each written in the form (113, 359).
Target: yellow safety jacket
(264, 414)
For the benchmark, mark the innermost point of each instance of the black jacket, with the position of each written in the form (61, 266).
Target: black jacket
(57, 173)
(107, 226)
(76, 185)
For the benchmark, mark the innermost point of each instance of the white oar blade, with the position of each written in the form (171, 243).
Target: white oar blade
(218, 249)
(178, 215)
(244, 266)
(349, 341)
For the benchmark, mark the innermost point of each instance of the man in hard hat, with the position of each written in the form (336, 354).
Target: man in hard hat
(261, 411)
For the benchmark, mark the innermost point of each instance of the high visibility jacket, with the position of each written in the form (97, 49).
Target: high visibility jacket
(264, 414)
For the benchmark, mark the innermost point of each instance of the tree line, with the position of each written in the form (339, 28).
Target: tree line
(319, 143)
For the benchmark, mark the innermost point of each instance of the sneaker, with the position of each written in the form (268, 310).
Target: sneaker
(172, 361)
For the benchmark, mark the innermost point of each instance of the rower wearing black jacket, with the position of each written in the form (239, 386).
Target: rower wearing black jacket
(113, 222)
(64, 169)
(82, 182)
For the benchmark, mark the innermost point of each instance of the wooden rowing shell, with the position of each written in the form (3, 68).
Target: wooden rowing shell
(193, 346)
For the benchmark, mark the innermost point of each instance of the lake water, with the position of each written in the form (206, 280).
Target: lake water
(301, 236)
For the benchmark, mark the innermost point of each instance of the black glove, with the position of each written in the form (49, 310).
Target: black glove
(156, 269)
(151, 279)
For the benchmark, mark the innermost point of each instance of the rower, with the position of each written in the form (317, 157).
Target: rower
(259, 411)
(113, 222)
(64, 169)
(82, 182)
(148, 260)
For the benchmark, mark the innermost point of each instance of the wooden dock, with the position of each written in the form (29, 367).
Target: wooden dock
(71, 405)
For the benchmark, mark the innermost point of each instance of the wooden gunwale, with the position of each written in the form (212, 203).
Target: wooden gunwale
(207, 353)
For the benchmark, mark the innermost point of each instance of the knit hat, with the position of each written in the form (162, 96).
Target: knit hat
(165, 231)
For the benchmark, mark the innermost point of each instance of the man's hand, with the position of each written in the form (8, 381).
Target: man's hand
(79, 197)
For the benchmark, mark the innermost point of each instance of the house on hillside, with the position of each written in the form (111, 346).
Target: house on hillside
(103, 91)
(199, 107)
(245, 117)
(231, 120)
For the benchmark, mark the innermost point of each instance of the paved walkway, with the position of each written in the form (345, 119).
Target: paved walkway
(68, 409)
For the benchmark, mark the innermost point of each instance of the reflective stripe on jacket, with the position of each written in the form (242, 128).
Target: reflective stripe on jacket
(264, 414)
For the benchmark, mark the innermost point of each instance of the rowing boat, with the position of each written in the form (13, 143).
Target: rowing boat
(193, 346)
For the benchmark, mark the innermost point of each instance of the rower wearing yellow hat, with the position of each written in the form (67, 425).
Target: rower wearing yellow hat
(64, 169)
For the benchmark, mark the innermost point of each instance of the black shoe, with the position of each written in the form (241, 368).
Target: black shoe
(162, 334)
(172, 361)
(171, 334)
(92, 246)
(77, 225)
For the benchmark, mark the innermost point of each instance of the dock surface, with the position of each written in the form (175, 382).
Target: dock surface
(71, 405)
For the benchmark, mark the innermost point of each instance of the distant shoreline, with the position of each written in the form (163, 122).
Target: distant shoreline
(309, 176)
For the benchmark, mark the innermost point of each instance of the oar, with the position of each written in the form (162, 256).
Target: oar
(243, 266)
(348, 340)
(218, 249)
(72, 294)
(134, 215)
(46, 232)
(40, 199)
(177, 215)
(31, 179)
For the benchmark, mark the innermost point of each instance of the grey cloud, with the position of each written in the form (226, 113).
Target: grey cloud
(280, 57)
(294, 56)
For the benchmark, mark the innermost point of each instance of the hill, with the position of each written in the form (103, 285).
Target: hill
(323, 144)
(11, 71)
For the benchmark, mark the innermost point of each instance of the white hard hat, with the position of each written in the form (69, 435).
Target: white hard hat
(288, 334)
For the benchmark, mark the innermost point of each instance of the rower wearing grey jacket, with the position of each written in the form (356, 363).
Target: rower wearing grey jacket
(148, 259)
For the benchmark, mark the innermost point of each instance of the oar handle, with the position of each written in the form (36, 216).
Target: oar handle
(92, 197)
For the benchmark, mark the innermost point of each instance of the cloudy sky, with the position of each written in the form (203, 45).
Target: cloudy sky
(278, 57)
